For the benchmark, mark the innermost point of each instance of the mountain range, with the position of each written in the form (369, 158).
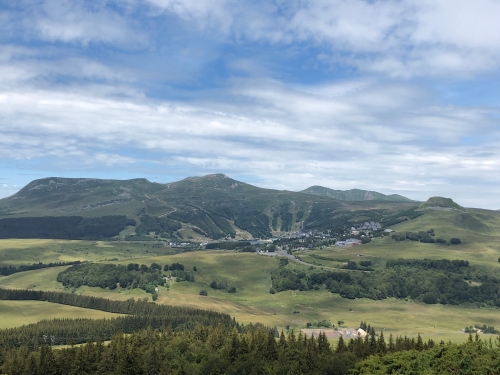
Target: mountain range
(354, 194)
(212, 206)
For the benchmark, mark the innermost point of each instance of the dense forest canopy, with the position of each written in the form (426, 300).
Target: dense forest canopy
(430, 281)
(64, 227)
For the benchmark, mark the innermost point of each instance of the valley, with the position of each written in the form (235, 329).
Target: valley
(250, 273)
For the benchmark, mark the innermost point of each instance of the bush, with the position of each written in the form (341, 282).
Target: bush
(440, 240)
(203, 292)
(351, 265)
(232, 290)
(455, 241)
(429, 298)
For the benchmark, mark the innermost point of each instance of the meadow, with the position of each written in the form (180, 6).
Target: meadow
(250, 274)
(18, 313)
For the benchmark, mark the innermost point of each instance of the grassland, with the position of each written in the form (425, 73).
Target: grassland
(250, 275)
(29, 251)
(18, 313)
(478, 248)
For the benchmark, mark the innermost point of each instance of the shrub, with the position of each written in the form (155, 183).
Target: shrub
(232, 290)
(455, 241)
(203, 292)
(429, 298)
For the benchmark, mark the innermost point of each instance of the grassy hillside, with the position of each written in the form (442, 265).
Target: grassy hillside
(250, 274)
(196, 208)
(18, 313)
(354, 194)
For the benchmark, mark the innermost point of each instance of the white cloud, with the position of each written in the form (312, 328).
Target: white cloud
(77, 22)
(340, 136)
(398, 38)
(68, 109)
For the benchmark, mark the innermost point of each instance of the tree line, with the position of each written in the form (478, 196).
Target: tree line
(64, 227)
(138, 315)
(429, 281)
(230, 245)
(111, 276)
(426, 264)
(131, 276)
(9, 270)
(205, 349)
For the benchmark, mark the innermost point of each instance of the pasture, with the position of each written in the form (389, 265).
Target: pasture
(250, 275)
(28, 251)
(18, 313)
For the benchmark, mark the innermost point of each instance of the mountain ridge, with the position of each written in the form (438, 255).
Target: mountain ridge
(212, 206)
(354, 194)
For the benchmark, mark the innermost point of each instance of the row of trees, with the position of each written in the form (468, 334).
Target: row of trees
(229, 245)
(427, 264)
(9, 270)
(206, 350)
(424, 237)
(222, 285)
(429, 281)
(111, 275)
(64, 227)
(139, 314)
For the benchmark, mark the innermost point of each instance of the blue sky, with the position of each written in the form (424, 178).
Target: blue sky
(393, 96)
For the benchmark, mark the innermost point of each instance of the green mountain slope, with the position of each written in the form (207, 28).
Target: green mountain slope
(354, 194)
(441, 204)
(212, 206)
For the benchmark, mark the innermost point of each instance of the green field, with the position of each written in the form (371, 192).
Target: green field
(18, 313)
(250, 275)
(29, 251)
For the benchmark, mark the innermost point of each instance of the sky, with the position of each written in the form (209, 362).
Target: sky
(394, 96)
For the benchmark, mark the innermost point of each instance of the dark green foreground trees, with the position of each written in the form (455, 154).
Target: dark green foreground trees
(256, 350)
(173, 340)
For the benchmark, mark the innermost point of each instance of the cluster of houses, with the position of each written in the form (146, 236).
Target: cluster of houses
(367, 227)
(348, 242)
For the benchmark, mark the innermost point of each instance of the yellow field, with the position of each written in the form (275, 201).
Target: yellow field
(18, 313)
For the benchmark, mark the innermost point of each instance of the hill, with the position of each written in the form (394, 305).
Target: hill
(209, 207)
(441, 204)
(354, 194)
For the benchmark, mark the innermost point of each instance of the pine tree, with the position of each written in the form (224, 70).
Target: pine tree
(31, 366)
(391, 344)
(282, 342)
(271, 347)
(153, 363)
(419, 345)
(341, 348)
(381, 346)
(235, 348)
(323, 344)
(48, 364)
